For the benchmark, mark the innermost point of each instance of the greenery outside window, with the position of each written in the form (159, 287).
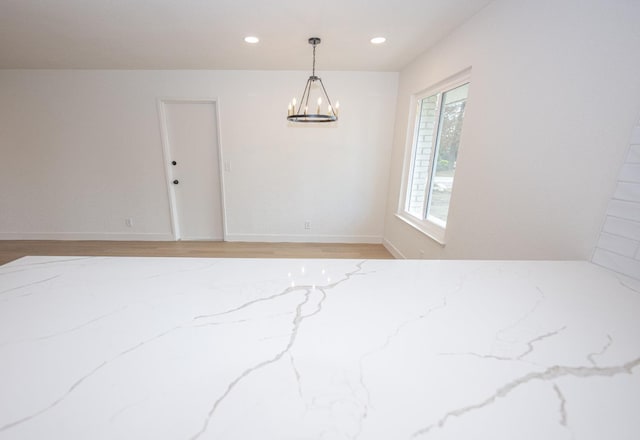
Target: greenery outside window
(437, 118)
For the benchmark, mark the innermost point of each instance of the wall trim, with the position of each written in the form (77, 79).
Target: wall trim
(393, 250)
(101, 236)
(304, 238)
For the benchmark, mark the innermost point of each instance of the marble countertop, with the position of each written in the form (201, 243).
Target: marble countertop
(248, 349)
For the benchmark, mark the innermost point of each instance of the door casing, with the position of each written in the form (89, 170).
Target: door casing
(166, 154)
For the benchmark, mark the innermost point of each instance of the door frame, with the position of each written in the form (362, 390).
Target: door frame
(166, 155)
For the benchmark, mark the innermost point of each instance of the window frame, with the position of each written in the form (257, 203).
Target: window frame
(436, 230)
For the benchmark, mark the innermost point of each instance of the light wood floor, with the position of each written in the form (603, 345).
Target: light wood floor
(14, 249)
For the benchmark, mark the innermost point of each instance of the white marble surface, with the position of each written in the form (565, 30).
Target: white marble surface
(177, 348)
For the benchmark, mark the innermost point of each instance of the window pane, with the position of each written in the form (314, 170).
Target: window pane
(423, 144)
(448, 140)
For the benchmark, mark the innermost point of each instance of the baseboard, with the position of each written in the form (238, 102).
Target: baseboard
(256, 238)
(85, 236)
(303, 238)
(393, 250)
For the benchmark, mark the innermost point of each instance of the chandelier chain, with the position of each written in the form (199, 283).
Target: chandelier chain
(314, 59)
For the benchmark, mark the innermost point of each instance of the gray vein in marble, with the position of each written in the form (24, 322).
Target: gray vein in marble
(549, 374)
(240, 321)
(124, 409)
(563, 405)
(296, 322)
(481, 356)
(384, 345)
(270, 338)
(145, 342)
(64, 332)
(538, 339)
(590, 356)
(326, 403)
(365, 406)
(297, 376)
(56, 261)
(530, 344)
(56, 402)
(102, 365)
(28, 266)
(285, 292)
(77, 383)
(524, 317)
(13, 289)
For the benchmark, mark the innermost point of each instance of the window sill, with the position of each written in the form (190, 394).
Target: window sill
(430, 229)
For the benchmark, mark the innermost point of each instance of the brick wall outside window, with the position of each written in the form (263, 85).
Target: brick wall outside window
(423, 156)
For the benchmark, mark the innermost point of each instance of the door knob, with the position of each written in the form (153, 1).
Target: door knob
(173, 162)
(175, 182)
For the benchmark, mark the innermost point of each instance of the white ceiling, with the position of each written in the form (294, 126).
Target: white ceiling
(208, 34)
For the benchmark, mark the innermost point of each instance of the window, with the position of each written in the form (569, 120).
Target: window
(438, 117)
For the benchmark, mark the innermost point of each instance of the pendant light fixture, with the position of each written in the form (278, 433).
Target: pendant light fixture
(304, 111)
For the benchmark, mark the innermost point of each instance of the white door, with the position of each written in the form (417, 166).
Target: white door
(193, 160)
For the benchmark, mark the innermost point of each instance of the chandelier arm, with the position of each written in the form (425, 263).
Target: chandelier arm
(307, 92)
(326, 95)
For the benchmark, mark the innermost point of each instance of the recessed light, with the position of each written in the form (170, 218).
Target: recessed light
(378, 40)
(251, 40)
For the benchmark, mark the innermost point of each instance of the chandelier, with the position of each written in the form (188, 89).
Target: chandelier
(302, 112)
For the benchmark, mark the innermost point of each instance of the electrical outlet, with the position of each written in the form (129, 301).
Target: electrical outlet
(307, 224)
(128, 221)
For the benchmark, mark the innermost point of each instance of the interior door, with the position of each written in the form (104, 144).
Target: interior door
(192, 137)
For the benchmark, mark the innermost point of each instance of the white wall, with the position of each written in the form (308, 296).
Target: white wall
(554, 95)
(81, 151)
(619, 244)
